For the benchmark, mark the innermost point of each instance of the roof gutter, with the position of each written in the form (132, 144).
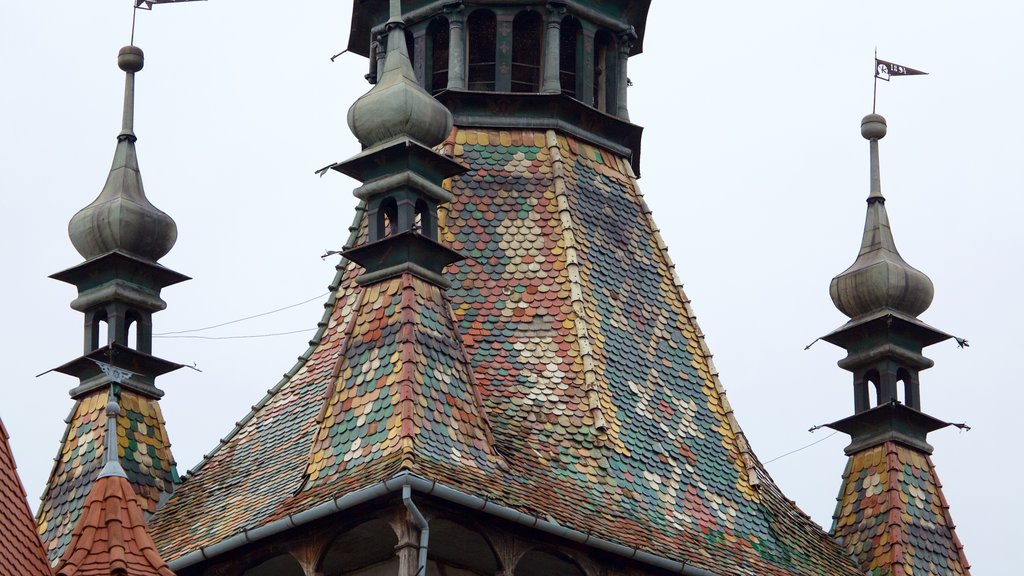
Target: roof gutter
(406, 482)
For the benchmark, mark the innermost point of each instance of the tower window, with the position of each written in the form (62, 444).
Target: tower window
(570, 52)
(526, 50)
(437, 48)
(482, 26)
(604, 71)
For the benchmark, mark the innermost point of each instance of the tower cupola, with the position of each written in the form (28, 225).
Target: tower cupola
(398, 123)
(557, 64)
(121, 235)
(879, 278)
(121, 217)
(884, 339)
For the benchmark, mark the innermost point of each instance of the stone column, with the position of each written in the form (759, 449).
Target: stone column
(625, 47)
(456, 47)
(552, 83)
(419, 55)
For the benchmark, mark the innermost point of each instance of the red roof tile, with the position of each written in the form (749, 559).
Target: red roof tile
(111, 538)
(21, 552)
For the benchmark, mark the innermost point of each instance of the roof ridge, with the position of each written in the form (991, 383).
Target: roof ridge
(314, 342)
(751, 465)
(572, 264)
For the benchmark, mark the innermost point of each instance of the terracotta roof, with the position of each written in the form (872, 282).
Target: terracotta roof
(892, 516)
(111, 538)
(144, 452)
(571, 317)
(21, 552)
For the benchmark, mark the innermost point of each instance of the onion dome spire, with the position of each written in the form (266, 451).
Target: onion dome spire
(880, 278)
(397, 106)
(121, 217)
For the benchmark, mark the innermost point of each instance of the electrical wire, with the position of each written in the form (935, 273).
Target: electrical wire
(801, 448)
(167, 334)
(241, 337)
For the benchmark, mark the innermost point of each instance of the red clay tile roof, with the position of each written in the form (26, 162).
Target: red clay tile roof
(570, 313)
(21, 552)
(144, 451)
(893, 518)
(111, 538)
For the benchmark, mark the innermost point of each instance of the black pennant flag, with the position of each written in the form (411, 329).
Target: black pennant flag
(886, 70)
(148, 4)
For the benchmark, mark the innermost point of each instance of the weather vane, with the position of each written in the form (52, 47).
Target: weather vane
(886, 70)
(147, 5)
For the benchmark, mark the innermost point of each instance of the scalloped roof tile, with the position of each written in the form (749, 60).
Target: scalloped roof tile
(111, 537)
(594, 375)
(893, 518)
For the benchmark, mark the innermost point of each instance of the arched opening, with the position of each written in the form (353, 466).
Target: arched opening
(907, 388)
(526, 51)
(604, 71)
(370, 544)
(283, 565)
(101, 330)
(547, 563)
(456, 549)
(437, 47)
(570, 53)
(482, 26)
(131, 329)
(424, 219)
(387, 219)
(874, 383)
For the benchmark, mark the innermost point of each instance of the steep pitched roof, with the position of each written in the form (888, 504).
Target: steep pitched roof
(403, 389)
(111, 538)
(144, 451)
(892, 516)
(594, 374)
(21, 552)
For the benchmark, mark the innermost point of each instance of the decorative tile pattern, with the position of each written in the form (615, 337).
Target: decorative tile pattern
(892, 516)
(598, 389)
(144, 452)
(402, 386)
(111, 537)
(21, 552)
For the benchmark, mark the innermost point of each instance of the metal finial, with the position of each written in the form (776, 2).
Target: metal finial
(111, 462)
(396, 12)
(130, 59)
(873, 128)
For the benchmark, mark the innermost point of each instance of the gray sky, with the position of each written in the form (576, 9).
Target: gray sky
(752, 162)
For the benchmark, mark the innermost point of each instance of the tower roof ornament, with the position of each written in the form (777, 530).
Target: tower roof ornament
(879, 278)
(397, 106)
(121, 217)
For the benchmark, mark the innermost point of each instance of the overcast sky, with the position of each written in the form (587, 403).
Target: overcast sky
(752, 162)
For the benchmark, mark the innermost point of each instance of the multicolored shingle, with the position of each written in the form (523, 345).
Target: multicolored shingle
(21, 552)
(892, 516)
(596, 383)
(143, 448)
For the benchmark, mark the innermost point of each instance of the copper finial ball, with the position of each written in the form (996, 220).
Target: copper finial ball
(872, 127)
(130, 59)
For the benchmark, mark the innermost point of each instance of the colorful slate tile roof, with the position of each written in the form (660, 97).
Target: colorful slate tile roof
(598, 386)
(111, 538)
(403, 385)
(21, 552)
(892, 516)
(144, 451)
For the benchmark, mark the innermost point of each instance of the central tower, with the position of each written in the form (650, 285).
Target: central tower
(559, 64)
